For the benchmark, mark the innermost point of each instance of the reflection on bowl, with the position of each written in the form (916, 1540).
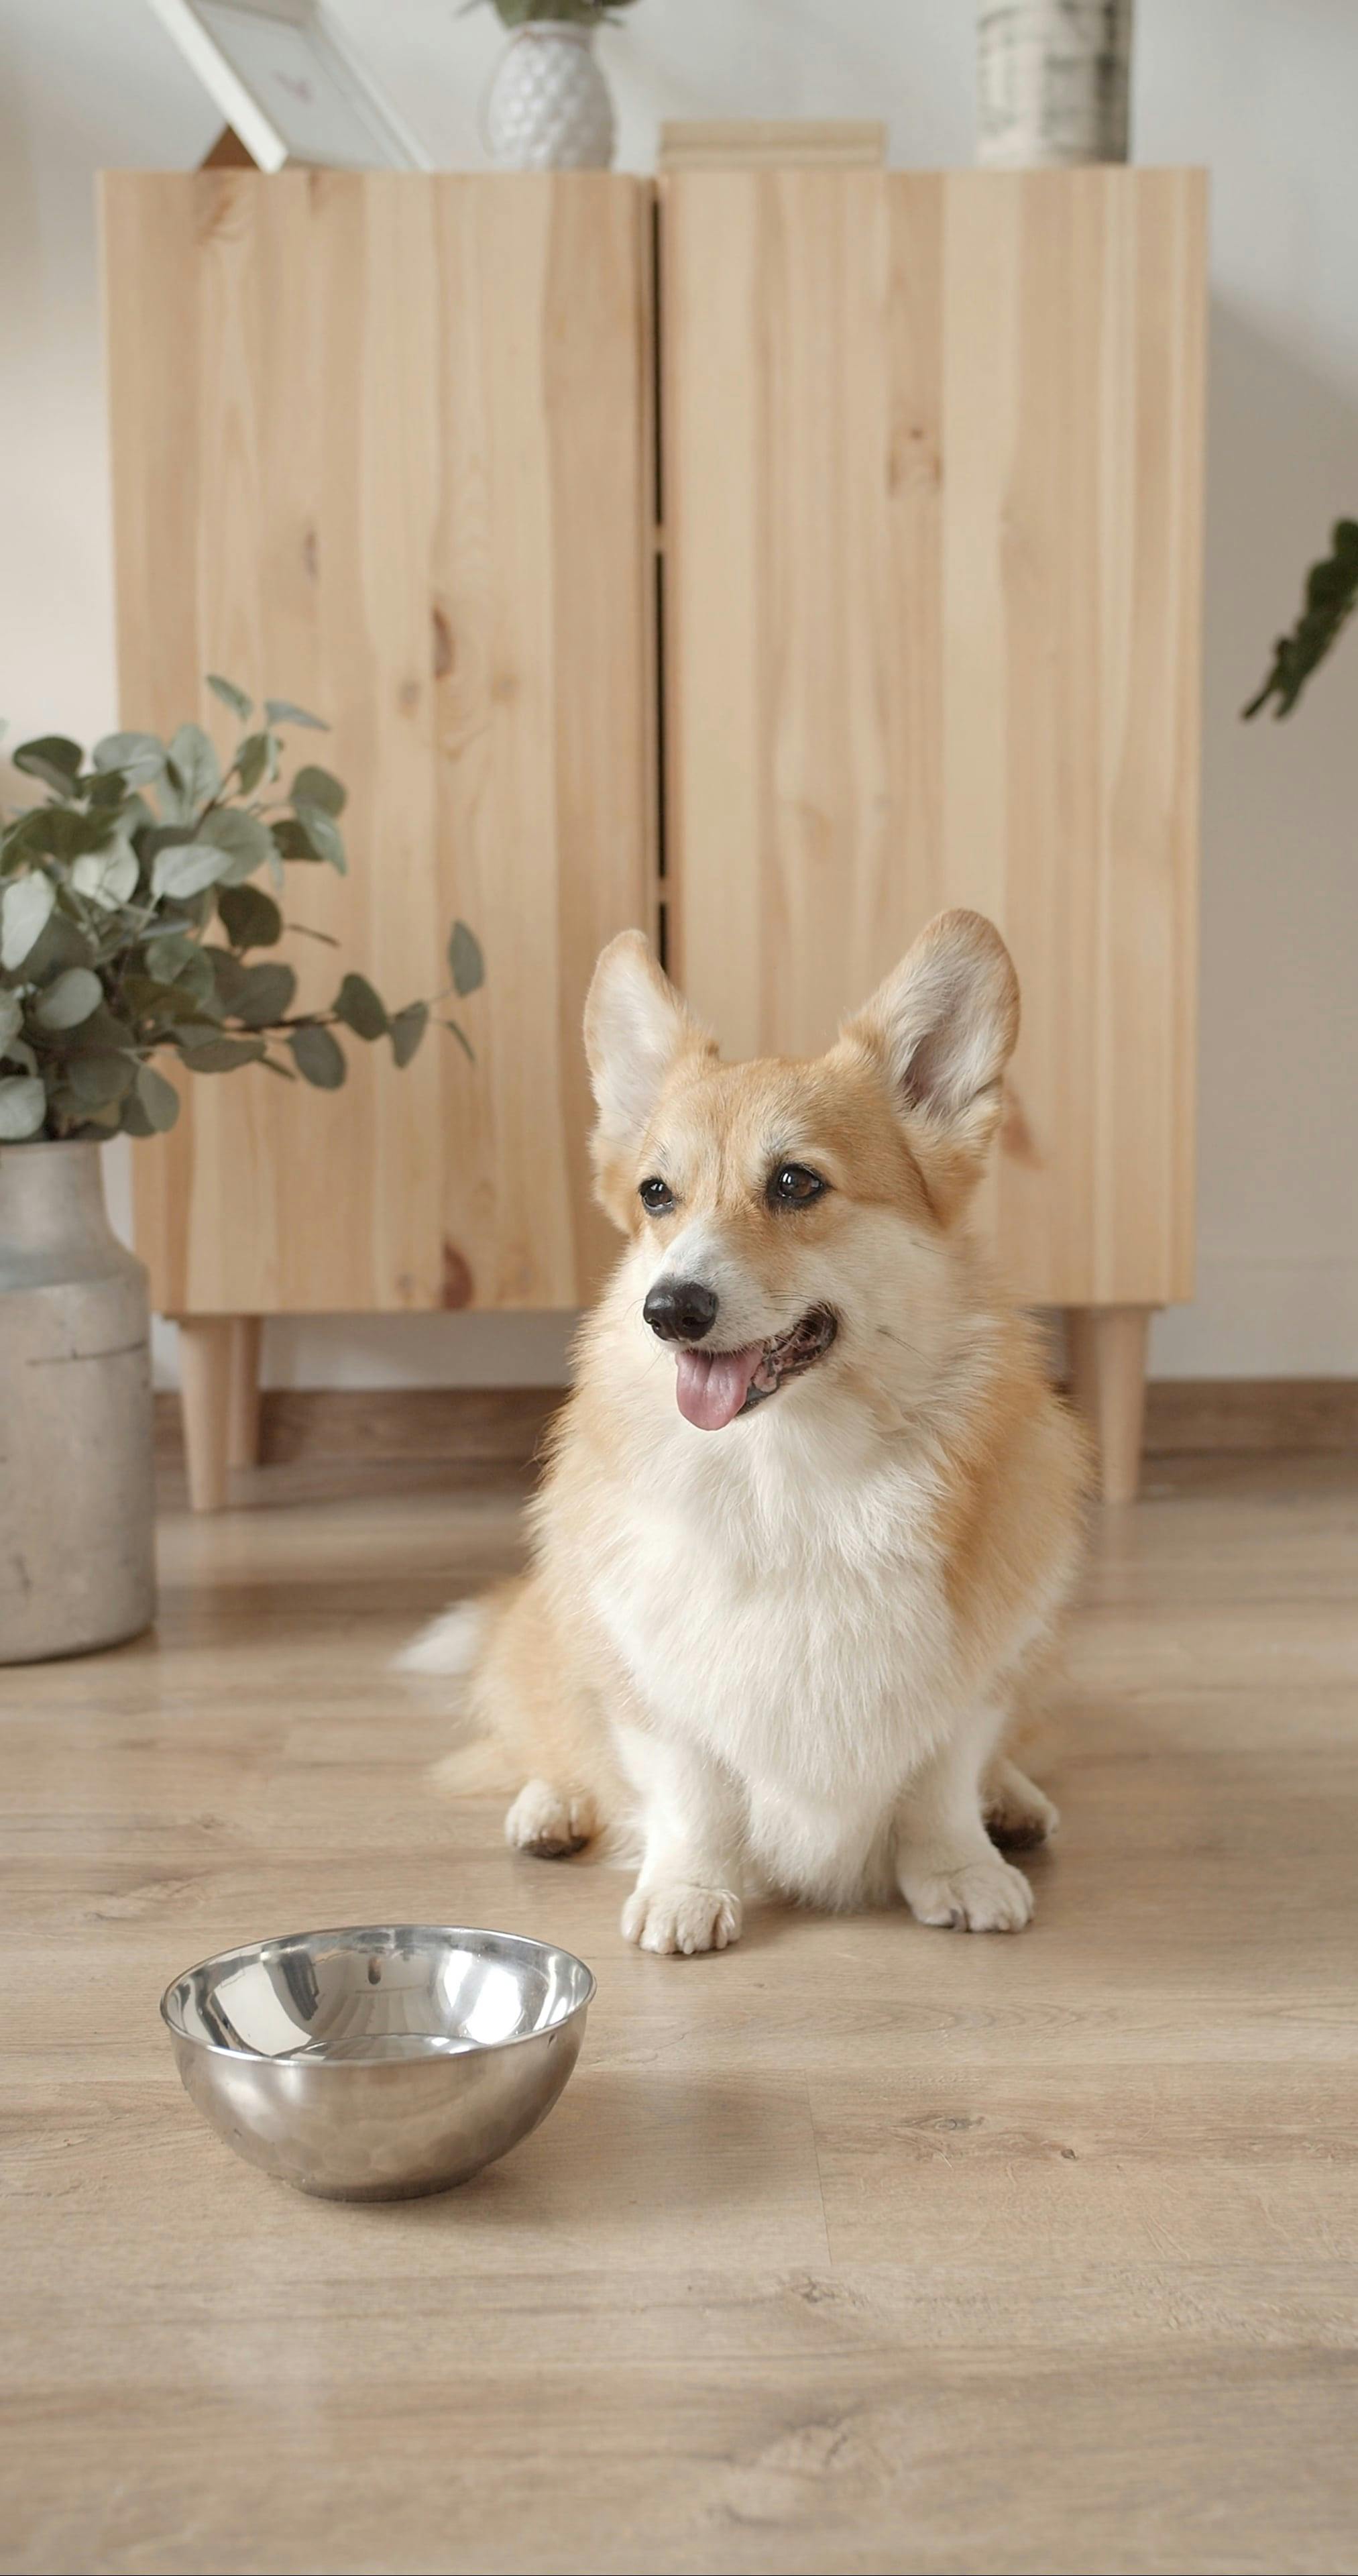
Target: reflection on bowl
(380, 2062)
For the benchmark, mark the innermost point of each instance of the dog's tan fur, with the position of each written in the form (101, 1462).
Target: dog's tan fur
(794, 1646)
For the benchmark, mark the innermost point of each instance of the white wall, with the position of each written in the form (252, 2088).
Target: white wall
(1264, 92)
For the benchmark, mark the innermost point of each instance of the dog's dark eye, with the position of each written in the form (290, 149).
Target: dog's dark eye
(793, 1185)
(656, 1196)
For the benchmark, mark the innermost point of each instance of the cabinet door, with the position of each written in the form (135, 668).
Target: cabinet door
(381, 447)
(932, 494)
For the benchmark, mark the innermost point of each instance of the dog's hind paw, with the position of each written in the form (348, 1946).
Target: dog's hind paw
(681, 1918)
(976, 1896)
(550, 1823)
(1017, 1814)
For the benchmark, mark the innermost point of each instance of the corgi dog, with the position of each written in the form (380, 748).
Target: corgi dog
(813, 1510)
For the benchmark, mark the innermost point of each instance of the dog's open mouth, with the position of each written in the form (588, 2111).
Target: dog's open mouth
(714, 1386)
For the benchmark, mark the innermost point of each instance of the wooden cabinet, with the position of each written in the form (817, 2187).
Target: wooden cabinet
(382, 445)
(931, 457)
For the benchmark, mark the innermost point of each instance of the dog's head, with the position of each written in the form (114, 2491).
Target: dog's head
(791, 1218)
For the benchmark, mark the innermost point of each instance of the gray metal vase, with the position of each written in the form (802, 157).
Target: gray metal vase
(77, 1500)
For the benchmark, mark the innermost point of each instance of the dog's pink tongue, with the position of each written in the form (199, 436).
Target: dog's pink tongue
(713, 1385)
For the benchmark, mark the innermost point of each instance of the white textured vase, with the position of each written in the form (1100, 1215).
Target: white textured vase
(1053, 81)
(549, 107)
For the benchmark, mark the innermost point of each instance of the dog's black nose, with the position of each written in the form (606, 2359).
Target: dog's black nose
(680, 1310)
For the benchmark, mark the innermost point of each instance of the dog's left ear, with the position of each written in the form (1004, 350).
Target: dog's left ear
(636, 1028)
(945, 1024)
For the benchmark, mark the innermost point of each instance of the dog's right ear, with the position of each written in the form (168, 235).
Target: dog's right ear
(636, 1029)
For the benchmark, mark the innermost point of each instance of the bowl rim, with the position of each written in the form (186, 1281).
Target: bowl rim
(450, 1932)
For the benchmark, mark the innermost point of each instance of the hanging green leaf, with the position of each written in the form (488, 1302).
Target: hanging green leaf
(407, 1029)
(360, 1008)
(23, 1107)
(241, 707)
(282, 711)
(316, 787)
(25, 908)
(456, 1030)
(52, 758)
(138, 756)
(70, 1000)
(323, 833)
(158, 1099)
(465, 961)
(250, 917)
(11, 1017)
(318, 1056)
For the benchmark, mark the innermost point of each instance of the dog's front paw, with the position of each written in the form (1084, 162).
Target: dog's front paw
(975, 1896)
(680, 1917)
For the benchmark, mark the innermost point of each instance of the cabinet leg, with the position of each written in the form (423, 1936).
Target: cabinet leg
(247, 1334)
(1108, 1381)
(205, 1372)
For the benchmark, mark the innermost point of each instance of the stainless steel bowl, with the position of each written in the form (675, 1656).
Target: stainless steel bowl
(382, 2062)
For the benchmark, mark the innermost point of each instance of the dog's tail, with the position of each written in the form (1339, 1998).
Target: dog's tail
(448, 1646)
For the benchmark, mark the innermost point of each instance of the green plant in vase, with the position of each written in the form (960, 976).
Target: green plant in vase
(139, 912)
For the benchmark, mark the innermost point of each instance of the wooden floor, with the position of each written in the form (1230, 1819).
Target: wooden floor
(860, 2248)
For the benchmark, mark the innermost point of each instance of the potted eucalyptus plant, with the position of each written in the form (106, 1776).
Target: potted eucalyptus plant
(549, 106)
(140, 924)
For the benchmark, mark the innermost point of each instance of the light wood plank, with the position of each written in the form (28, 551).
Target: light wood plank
(381, 445)
(933, 449)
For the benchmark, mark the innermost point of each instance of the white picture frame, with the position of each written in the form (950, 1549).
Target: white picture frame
(289, 87)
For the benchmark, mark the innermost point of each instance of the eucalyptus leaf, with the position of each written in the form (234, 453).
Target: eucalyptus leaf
(241, 707)
(456, 1030)
(360, 1008)
(171, 956)
(74, 996)
(53, 758)
(282, 711)
(187, 868)
(158, 1099)
(99, 1077)
(265, 996)
(318, 1056)
(466, 964)
(256, 759)
(248, 843)
(323, 833)
(132, 1118)
(23, 1107)
(313, 786)
(250, 917)
(197, 764)
(220, 1055)
(107, 877)
(139, 756)
(407, 1029)
(11, 1017)
(25, 909)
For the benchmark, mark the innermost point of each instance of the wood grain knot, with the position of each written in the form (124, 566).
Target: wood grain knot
(459, 1287)
(444, 651)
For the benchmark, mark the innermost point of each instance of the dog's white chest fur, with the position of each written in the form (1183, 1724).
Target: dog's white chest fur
(794, 1624)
